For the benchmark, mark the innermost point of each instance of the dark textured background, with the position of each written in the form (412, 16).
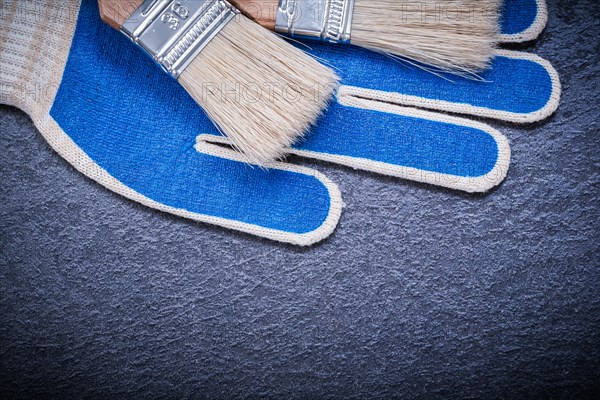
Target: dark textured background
(421, 292)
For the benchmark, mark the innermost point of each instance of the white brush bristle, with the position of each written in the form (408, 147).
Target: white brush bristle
(457, 36)
(261, 91)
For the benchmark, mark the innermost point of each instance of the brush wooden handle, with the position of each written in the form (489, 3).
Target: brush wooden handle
(263, 12)
(116, 12)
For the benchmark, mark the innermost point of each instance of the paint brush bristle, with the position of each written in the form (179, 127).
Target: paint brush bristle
(262, 92)
(451, 35)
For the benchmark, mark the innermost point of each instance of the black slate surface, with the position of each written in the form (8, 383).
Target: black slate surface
(421, 292)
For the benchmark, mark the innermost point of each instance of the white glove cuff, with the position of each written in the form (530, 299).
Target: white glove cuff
(34, 45)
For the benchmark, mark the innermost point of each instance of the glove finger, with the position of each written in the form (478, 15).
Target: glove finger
(519, 87)
(410, 144)
(522, 20)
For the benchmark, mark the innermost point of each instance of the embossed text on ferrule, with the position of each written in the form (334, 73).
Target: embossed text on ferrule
(173, 32)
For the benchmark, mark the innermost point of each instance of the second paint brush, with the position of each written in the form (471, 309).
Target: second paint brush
(457, 36)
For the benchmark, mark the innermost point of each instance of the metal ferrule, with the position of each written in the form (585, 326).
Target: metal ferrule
(325, 20)
(173, 32)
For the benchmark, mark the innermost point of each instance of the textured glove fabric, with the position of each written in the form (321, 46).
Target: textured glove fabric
(34, 47)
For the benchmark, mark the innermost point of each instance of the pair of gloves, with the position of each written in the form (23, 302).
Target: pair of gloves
(121, 121)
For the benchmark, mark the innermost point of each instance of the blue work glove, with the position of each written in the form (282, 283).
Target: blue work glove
(117, 118)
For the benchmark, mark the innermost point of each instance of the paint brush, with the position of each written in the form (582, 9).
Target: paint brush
(451, 35)
(262, 92)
